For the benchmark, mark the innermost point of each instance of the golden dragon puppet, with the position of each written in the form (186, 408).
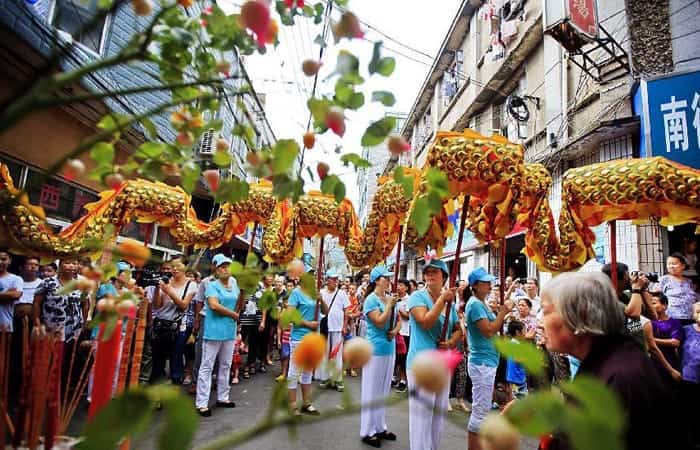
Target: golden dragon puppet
(502, 189)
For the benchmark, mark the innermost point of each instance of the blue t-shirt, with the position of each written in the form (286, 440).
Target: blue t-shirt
(515, 373)
(378, 336)
(306, 307)
(106, 289)
(219, 327)
(421, 339)
(482, 351)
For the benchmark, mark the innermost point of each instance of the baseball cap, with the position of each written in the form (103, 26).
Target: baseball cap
(330, 273)
(220, 259)
(438, 264)
(480, 274)
(123, 266)
(379, 271)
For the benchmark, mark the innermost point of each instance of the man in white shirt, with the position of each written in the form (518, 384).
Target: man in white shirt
(337, 301)
(531, 290)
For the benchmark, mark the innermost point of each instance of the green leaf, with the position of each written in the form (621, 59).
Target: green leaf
(180, 422)
(405, 181)
(347, 63)
(149, 127)
(222, 159)
(531, 358)
(128, 413)
(307, 283)
(378, 131)
(284, 155)
(437, 182)
(290, 315)
(539, 413)
(152, 149)
(319, 108)
(232, 190)
(420, 216)
(245, 132)
(246, 277)
(356, 160)
(102, 153)
(320, 41)
(286, 186)
(386, 98)
(382, 66)
(596, 399)
(112, 121)
(268, 301)
(189, 175)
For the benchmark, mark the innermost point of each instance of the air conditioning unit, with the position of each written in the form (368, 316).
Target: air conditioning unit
(206, 143)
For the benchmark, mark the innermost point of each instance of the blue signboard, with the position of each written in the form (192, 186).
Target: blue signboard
(670, 110)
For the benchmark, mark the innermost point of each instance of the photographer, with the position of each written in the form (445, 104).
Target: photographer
(171, 298)
(633, 293)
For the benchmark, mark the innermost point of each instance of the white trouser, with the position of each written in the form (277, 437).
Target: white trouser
(293, 372)
(334, 368)
(210, 350)
(376, 384)
(425, 415)
(483, 378)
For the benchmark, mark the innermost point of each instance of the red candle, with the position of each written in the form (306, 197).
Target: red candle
(105, 366)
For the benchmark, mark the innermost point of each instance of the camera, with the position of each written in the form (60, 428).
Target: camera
(653, 277)
(522, 280)
(151, 277)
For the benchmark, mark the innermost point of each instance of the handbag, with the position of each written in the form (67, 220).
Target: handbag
(165, 329)
(323, 326)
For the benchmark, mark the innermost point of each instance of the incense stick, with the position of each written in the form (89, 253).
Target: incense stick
(67, 411)
(6, 423)
(54, 400)
(125, 357)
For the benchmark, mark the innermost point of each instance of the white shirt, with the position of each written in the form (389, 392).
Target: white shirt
(337, 312)
(28, 290)
(403, 306)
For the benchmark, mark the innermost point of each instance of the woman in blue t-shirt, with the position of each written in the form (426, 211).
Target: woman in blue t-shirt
(427, 308)
(482, 325)
(219, 335)
(376, 375)
(309, 322)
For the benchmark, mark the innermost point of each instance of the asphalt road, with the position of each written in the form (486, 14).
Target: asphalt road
(252, 397)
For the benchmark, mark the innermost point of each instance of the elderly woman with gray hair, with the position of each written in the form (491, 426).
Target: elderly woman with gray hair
(582, 317)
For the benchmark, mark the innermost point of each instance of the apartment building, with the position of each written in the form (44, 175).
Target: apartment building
(506, 68)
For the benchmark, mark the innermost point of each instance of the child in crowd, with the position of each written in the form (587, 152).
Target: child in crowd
(515, 373)
(668, 333)
(283, 344)
(236, 362)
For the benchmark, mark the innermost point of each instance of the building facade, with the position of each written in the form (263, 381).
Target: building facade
(502, 69)
(29, 31)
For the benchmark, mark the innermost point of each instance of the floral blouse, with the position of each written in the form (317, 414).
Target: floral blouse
(61, 311)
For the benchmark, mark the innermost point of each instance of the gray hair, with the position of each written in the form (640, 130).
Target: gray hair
(587, 302)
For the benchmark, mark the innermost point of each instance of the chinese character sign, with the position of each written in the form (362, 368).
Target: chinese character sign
(583, 16)
(671, 118)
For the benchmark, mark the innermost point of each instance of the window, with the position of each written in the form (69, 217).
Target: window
(71, 16)
(59, 199)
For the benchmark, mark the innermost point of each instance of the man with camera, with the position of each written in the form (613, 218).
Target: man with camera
(633, 292)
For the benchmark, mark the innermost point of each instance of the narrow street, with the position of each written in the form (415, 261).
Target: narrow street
(251, 397)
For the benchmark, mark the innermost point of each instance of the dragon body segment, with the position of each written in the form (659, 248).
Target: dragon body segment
(503, 191)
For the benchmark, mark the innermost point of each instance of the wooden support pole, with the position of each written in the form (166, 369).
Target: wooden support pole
(455, 265)
(613, 253)
(319, 277)
(502, 270)
(397, 269)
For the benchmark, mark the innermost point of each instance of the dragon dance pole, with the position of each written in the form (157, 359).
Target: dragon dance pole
(502, 270)
(319, 277)
(397, 268)
(613, 253)
(455, 265)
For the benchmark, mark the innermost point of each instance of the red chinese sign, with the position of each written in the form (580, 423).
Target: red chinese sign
(584, 16)
(50, 197)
